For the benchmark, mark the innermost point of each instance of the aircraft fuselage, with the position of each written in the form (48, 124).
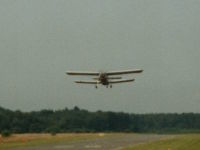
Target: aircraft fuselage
(103, 78)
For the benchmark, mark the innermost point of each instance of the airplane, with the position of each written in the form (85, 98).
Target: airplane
(104, 78)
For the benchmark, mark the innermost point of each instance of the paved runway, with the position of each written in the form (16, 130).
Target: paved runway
(106, 143)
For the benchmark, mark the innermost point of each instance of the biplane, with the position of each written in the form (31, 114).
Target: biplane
(104, 78)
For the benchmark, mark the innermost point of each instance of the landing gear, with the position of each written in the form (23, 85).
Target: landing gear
(109, 86)
(96, 86)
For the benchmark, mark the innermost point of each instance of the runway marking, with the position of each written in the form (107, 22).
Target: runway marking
(63, 146)
(92, 146)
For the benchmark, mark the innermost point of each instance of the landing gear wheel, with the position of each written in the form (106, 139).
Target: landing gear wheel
(96, 86)
(110, 86)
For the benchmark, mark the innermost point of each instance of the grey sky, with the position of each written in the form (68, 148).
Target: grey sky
(40, 40)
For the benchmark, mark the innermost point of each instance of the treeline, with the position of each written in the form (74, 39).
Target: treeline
(79, 120)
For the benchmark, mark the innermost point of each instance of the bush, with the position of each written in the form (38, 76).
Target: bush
(6, 133)
(53, 133)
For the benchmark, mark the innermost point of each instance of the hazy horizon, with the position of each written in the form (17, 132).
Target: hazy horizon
(41, 40)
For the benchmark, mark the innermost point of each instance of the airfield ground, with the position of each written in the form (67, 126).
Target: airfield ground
(180, 142)
(99, 141)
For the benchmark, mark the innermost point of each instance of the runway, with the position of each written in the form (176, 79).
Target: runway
(115, 142)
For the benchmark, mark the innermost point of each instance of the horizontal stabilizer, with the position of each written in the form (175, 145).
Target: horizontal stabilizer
(121, 81)
(111, 78)
(87, 82)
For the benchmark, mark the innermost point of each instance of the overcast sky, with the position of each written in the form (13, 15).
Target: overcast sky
(41, 40)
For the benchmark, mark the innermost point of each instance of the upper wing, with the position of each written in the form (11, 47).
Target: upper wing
(121, 81)
(87, 82)
(124, 72)
(82, 73)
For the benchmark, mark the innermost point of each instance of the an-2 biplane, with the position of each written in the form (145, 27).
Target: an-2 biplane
(104, 78)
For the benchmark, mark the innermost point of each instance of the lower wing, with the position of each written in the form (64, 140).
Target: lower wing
(121, 81)
(88, 82)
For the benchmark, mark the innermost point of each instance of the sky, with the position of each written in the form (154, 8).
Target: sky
(41, 40)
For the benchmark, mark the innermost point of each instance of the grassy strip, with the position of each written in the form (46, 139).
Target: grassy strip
(25, 140)
(181, 142)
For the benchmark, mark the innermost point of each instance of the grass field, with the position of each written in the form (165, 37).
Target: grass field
(24, 140)
(171, 142)
(179, 142)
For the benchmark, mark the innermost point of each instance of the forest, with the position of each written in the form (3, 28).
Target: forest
(80, 120)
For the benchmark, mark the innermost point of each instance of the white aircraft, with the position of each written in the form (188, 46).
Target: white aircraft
(104, 78)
